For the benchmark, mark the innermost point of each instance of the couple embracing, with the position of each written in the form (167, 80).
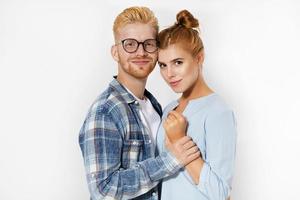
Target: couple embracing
(134, 150)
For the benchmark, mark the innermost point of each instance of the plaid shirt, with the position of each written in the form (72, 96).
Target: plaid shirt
(118, 153)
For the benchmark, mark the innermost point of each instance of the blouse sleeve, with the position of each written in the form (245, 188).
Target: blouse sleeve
(217, 172)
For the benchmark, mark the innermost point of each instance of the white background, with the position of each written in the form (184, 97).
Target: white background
(55, 59)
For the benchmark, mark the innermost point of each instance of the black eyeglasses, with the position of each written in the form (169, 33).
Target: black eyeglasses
(131, 45)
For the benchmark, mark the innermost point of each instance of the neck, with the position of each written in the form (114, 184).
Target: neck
(199, 89)
(136, 86)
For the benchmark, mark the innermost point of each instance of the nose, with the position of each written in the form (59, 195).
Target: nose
(140, 50)
(170, 72)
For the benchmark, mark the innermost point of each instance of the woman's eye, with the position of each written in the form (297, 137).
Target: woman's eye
(178, 62)
(161, 65)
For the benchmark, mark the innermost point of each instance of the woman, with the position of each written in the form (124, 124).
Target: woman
(211, 122)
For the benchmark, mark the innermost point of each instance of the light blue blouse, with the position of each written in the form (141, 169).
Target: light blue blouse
(212, 126)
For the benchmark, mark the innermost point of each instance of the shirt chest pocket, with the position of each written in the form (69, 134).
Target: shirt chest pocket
(132, 150)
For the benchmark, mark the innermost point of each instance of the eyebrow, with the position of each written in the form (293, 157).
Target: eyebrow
(172, 61)
(176, 59)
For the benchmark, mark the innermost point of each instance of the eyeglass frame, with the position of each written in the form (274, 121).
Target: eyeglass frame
(123, 41)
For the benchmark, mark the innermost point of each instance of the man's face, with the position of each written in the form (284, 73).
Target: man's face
(140, 63)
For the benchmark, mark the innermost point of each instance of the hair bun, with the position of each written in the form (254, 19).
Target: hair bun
(186, 19)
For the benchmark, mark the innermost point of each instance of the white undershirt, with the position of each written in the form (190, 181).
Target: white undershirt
(150, 118)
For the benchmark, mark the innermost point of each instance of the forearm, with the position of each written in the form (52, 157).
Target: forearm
(194, 169)
(118, 167)
(120, 183)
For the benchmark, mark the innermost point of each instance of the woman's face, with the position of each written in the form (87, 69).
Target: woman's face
(179, 68)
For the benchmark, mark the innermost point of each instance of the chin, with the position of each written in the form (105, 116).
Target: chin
(143, 69)
(177, 90)
(142, 75)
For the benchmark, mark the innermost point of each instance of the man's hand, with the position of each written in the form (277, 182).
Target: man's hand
(175, 126)
(184, 149)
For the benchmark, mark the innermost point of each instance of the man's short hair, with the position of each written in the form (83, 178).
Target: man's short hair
(135, 15)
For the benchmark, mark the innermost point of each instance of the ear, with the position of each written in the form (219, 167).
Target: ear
(114, 52)
(200, 57)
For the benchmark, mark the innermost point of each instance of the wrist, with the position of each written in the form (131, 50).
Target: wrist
(175, 136)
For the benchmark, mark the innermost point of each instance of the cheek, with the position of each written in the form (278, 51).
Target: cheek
(193, 69)
(183, 71)
(124, 58)
(190, 73)
(194, 74)
(154, 56)
(163, 73)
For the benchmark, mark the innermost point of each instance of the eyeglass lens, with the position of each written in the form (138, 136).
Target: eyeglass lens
(131, 45)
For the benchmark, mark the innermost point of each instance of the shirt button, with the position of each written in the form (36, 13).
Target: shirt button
(153, 194)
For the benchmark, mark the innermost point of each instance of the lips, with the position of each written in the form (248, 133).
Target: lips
(174, 83)
(140, 62)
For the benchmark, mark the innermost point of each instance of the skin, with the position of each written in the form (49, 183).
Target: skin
(134, 68)
(183, 73)
(133, 71)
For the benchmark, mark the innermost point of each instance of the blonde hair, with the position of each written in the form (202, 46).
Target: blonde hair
(135, 15)
(184, 32)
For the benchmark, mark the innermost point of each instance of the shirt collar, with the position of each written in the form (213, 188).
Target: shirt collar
(122, 90)
(129, 98)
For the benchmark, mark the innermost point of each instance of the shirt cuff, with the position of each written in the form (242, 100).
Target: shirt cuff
(171, 163)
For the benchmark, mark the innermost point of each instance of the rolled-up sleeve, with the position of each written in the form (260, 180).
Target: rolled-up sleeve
(217, 171)
(101, 144)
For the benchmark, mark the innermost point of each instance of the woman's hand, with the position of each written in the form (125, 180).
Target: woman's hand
(175, 126)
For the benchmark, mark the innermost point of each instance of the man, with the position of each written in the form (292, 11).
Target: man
(117, 138)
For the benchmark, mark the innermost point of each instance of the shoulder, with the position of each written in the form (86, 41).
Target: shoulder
(219, 110)
(108, 111)
(220, 121)
(217, 105)
(109, 102)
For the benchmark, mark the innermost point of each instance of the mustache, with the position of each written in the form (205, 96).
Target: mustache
(142, 58)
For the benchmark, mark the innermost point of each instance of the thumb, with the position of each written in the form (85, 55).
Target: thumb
(167, 141)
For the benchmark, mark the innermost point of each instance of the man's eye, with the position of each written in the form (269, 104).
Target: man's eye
(150, 44)
(129, 44)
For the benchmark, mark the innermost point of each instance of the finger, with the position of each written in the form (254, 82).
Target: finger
(167, 141)
(171, 117)
(192, 150)
(165, 124)
(189, 144)
(193, 157)
(190, 158)
(167, 121)
(178, 115)
(184, 140)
